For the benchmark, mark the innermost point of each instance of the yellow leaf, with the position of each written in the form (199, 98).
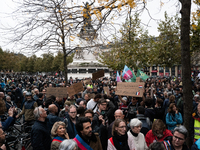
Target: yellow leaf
(194, 26)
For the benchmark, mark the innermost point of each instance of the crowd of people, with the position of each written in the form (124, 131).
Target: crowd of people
(94, 120)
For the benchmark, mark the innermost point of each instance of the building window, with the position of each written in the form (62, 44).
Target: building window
(154, 68)
(82, 71)
(161, 69)
(173, 71)
(106, 70)
(74, 70)
(91, 70)
(69, 70)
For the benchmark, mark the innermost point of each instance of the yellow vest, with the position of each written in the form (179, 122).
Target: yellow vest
(196, 129)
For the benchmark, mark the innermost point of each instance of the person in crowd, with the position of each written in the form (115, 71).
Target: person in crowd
(68, 144)
(149, 111)
(44, 91)
(72, 119)
(119, 139)
(177, 141)
(59, 103)
(86, 98)
(195, 124)
(158, 109)
(3, 144)
(52, 117)
(64, 113)
(59, 133)
(10, 119)
(157, 133)
(87, 91)
(173, 117)
(23, 99)
(9, 93)
(79, 99)
(40, 99)
(18, 95)
(92, 104)
(9, 103)
(146, 123)
(156, 146)
(72, 100)
(135, 136)
(89, 114)
(195, 101)
(100, 121)
(196, 145)
(85, 138)
(132, 107)
(36, 93)
(28, 109)
(40, 137)
(118, 115)
(83, 104)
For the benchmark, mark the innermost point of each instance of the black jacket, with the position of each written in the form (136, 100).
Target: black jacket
(51, 119)
(40, 137)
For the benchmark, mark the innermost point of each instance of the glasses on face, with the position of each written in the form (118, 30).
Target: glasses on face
(72, 112)
(178, 138)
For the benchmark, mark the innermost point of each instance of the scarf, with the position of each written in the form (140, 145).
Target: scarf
(121, 142)
(134, 134)
(81, 143)
(58, 138)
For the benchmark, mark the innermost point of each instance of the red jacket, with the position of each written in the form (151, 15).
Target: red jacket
(150, 137)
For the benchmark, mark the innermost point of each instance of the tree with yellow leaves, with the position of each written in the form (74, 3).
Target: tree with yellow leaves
(131, 49)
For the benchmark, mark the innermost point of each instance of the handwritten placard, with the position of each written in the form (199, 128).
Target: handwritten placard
(57, 91)
(87, 81)
(98, 74)
(78, 87)
(106, 90)
(130, 89)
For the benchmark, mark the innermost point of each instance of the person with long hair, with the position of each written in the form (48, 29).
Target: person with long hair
(173, 117)
(119, 139)
(157, 133)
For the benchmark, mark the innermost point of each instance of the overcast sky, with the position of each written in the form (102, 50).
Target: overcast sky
(157, 12)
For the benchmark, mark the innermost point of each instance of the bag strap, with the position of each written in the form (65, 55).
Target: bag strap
(94, 107)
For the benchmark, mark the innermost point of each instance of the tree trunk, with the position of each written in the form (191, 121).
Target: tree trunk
(65, 68)
(186, 66)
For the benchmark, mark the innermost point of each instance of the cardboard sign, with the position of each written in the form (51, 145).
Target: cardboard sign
(70, 91)
(98, 74)
(130, 89)
(106, 90)
(57, 91)
(138, 79)
(78, 87)
(87, 81)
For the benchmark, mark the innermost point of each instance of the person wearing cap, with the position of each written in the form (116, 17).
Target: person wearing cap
(9, 93)
(28, 109)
